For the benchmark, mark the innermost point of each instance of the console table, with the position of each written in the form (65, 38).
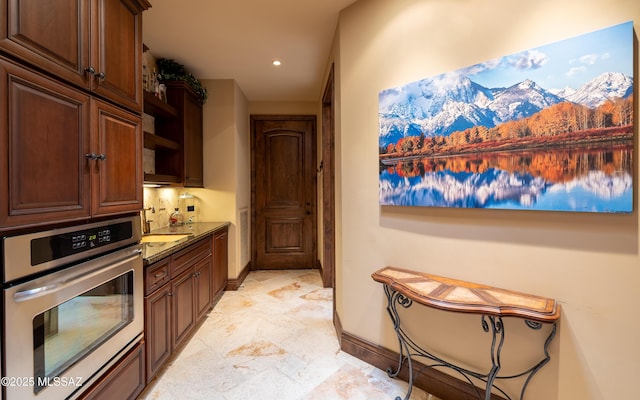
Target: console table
(404, 287)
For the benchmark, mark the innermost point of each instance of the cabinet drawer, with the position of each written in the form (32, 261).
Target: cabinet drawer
(187, 257)
(125, 380)
(156, 275)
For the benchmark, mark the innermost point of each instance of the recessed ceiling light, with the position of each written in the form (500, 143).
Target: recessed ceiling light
(277, 63)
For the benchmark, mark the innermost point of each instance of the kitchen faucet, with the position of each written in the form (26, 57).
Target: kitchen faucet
(146, 227)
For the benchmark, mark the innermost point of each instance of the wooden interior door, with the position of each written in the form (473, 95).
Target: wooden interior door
(284, 192)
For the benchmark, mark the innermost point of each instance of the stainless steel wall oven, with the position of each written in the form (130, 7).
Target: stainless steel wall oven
(73, 304)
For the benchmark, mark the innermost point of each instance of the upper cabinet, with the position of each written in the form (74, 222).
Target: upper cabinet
(178, 136)
(70, 110)
(67, 155)
(189, 124)
(93, 44)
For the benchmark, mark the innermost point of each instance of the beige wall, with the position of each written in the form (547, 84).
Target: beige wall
(283, 108)
(588, 262)
(227, 155)
(226, 171)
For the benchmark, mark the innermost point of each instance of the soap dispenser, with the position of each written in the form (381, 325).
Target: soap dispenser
(176, 218)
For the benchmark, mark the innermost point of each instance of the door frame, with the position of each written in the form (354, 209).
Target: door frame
(328, 184)
(314, 201)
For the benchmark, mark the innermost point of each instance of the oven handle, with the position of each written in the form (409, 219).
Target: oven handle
(31, 294)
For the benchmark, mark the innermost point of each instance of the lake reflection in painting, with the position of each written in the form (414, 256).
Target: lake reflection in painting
(576, 179)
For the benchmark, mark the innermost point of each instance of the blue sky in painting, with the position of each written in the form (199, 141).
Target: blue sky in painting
(571, 62)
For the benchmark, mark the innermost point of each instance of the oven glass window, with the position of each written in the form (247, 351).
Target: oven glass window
(73, 329)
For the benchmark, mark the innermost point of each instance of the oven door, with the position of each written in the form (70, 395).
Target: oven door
(63, 328)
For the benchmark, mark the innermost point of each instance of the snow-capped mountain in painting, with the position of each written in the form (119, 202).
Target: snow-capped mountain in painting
(452, 102)
(605, 87)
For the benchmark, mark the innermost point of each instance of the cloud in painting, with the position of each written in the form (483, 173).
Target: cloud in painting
(589, 59)
(532, 59)
(481, 67)
(575, 70)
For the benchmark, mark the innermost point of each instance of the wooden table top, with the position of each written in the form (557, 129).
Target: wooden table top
(460, 296)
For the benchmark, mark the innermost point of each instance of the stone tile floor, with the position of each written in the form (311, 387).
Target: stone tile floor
(273, 339)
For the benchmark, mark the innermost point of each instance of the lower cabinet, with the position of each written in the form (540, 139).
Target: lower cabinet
(125, 380)
(157, 329)
(220, 261)
(182, 307)
(203, 288)
(173, 310)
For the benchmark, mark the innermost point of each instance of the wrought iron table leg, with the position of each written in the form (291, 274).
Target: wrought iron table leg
(537, 325)
(394, 298)
(497, 333)
(491, 324)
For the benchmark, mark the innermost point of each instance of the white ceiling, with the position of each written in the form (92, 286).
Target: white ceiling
(239, 39)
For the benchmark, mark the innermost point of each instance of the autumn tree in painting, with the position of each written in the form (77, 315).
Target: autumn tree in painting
(554, 126)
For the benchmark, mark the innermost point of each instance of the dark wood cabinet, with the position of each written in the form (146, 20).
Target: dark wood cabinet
(179, 294)
(203, 290)
(182, 306)
(125, 380)
(116, 173)
(220, 261)
(95, 45)
(72, 151)
(44, 173)
(157, 312)
(68, 156)
(178, 136)
(189, 127)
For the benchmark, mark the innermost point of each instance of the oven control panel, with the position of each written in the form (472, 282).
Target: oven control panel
(91, 240)
(37, 252)
(50, 248)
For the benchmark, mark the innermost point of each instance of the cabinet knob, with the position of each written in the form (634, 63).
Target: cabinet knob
(100, 75)
(94, 156)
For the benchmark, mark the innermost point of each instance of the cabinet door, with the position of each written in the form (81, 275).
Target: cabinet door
(182, 306)
(44, 136)
(193, 170)
(204, 294)
(50, 34)
(116, 51)
(157, 329)
(221, 271)
(117, 169)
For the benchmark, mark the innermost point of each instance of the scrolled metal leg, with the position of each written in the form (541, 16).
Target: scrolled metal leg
(497, 331)
(537, 367)
(394, 298)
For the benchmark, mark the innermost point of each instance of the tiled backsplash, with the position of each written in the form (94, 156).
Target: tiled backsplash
(160, 203)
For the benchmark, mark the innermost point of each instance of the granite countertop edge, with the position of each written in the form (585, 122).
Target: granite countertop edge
(155, 251)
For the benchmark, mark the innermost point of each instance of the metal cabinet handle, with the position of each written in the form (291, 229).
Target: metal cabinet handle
(94, 156)
(100, 75)
(160, 275)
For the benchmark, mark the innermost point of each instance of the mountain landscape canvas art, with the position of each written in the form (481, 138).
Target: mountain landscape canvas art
(549, 128)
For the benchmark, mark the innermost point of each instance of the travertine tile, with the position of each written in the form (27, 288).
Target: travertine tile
(273, 339)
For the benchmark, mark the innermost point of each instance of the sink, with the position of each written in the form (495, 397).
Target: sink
(163, 238)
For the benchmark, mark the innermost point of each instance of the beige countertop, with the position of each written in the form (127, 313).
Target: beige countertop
(155, 251)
